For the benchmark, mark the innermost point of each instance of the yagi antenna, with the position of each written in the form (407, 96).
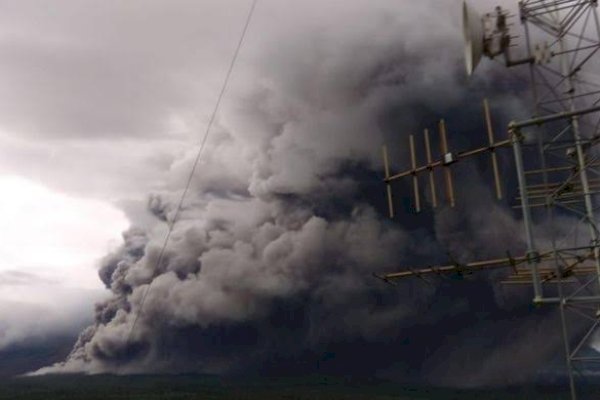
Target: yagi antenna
(443, 162)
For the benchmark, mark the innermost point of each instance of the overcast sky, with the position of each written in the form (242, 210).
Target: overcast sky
(98, 98)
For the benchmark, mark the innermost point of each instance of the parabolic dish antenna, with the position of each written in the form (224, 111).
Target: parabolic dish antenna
(473, 36)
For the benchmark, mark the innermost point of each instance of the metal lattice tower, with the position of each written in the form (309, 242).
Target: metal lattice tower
(556, 158)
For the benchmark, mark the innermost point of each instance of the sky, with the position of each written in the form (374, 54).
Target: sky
(100, 97)
(103, 107)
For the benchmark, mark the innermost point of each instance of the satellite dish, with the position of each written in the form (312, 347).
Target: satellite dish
(473, 36)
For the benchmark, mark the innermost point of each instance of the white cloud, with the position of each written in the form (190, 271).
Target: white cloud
(49, 246)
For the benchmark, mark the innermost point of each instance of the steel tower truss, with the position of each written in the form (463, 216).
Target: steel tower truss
(557, 159)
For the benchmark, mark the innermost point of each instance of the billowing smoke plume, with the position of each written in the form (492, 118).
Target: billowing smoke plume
(269, 264)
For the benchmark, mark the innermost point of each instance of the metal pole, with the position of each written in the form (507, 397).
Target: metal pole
(553, 117)
(527, 220)
(589, 212)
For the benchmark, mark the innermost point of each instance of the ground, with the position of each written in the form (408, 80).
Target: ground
(190, 387)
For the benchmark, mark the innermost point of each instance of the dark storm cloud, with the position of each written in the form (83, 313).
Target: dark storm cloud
(25, 322)
(32, 354)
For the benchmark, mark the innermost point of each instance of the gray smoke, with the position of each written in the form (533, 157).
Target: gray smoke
(269, 263)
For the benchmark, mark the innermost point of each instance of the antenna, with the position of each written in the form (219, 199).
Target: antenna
(386, 166)
(557, 167)
(490, 131)
(489, 35)
(473, 37)
(431, 176)
(445, 161)
(413, 161)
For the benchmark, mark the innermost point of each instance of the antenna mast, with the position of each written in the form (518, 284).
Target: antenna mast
(556, 158)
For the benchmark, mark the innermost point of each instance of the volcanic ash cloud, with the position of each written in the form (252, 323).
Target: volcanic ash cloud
(270, 259)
